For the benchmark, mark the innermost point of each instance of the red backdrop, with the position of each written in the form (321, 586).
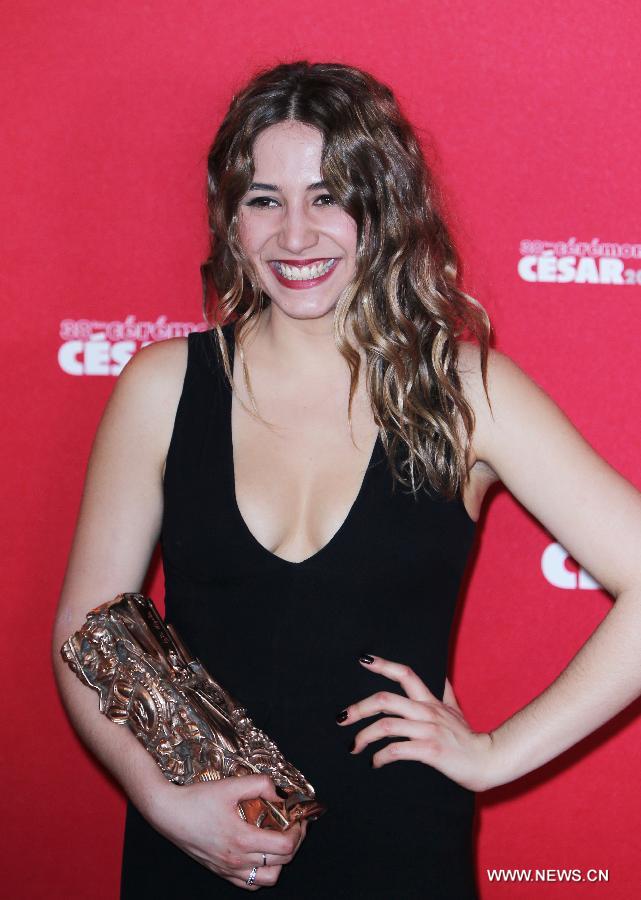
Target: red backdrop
(532, 115)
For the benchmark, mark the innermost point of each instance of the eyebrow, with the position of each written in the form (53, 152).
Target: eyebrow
(260, 186)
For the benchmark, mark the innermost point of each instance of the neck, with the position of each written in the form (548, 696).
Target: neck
(304, 346)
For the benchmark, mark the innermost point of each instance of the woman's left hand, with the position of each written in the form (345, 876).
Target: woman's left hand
(438, 734)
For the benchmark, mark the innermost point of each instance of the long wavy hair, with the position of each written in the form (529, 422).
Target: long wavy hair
(403, 304)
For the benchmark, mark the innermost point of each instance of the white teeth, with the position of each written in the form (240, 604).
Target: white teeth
(303, 273)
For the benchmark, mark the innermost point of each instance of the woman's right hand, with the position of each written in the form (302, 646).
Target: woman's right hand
(203, 821)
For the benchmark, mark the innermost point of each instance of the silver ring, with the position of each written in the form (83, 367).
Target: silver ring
(252, 876)
(264, 859)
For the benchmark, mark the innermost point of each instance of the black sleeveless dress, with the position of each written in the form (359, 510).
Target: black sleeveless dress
(386, 583)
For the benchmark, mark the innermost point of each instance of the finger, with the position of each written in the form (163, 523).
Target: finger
(406, 677)
(241, 884)
(261, 840)
(247, 787)
(303, 834)
(382, 701)
(268, 840)
(265, 876)
(425, 751)
(273, 859)
(449, 698)
(392, 727)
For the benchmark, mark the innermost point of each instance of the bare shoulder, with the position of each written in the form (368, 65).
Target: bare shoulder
(509, 393)
(159, 364)
(512, 401)
(148, 390)
(502, 371)
(470, 374)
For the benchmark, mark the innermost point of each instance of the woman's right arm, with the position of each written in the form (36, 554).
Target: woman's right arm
(116, 533)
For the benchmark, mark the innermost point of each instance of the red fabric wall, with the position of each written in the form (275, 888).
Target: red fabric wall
(532, 114)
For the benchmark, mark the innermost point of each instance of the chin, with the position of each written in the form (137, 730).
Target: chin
(297, 308)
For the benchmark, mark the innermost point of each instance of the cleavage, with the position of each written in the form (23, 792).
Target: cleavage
(296, 486)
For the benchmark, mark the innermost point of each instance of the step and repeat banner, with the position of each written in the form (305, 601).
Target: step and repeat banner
(530, 118)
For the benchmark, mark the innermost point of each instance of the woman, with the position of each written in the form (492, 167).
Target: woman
(316, 521)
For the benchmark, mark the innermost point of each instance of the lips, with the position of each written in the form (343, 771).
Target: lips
(302, 262)
(293, 267)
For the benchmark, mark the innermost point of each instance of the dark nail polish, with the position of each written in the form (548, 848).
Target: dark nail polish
(366, 658)
(341, 716)
(281, 792)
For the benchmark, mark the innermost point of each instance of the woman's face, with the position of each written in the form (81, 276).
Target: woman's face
(301, 242)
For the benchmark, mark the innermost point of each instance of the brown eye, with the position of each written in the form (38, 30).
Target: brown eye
(329, 200)
(261, 202)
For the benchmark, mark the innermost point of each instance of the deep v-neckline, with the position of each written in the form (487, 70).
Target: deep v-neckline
(336, 537)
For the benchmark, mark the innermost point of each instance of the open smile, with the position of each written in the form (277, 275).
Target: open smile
(302, 273)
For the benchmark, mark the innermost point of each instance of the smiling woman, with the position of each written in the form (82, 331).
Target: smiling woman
(314, 464)
(317, 163)
(297, 217)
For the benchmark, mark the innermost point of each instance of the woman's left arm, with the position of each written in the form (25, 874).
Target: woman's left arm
(595, 513)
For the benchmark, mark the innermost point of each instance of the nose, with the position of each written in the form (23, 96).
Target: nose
(297, 232)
